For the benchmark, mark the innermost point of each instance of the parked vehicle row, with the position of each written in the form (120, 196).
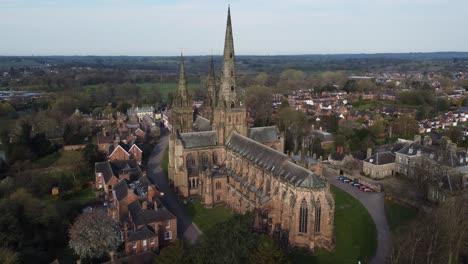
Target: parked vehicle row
(361, 187)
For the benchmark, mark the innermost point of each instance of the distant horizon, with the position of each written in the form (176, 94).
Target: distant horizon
(260, 27)
(242, 55)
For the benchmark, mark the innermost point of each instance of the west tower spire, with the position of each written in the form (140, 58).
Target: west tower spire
(182, 90)
(227, 93)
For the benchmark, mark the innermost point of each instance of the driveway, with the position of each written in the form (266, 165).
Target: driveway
(374, 203)
(185, 228)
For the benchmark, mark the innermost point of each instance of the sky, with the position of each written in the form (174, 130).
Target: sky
(260, 27)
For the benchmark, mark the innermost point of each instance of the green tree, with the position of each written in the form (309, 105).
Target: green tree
(94, 234)
(175, 253)
(259, 100)
(267, 252)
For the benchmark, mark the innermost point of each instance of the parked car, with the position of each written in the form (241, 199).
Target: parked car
(368, 190)
(362, 187)
(342, 178)
(346, 180)
(351, 183)
(357, 185)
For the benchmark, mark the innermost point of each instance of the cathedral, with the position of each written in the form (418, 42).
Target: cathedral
(215, 157)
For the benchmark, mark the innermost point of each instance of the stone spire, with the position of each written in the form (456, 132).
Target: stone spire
(227, 93)
(211, 84)
(182, 90)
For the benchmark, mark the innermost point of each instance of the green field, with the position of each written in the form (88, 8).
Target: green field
(398, 215)
(59, 159)
(148, 88)
(206, 218)
(355, 232)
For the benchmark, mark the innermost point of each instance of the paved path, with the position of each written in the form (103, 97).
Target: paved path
(185, 228)
(374, 203)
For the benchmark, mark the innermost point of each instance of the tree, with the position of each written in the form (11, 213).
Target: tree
(405, 126)
(94, 234)
(8, 256)
(175, 253)
(266, 252)
(92, 155)
(259, 100)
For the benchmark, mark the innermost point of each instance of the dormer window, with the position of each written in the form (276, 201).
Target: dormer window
(410, 151)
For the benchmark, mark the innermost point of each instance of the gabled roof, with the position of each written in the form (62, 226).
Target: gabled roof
(135, 146)
(143, 217)
(144, 233)
(199, 139)
(121, 190)
(381, 158)
(105, 169)
(264, 134)
(113, 149)
(201, 124)
(273, 161)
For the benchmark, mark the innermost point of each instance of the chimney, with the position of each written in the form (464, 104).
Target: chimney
(369, 153)
(155, 203)
(417, 139)
(427, 141)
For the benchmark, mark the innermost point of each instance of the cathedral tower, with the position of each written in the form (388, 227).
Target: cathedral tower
(182, 112)
(229, 114)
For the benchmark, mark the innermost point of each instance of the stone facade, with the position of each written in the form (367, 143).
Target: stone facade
(220, 160)
(380, 165)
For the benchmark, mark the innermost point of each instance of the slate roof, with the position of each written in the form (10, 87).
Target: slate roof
(121, 190)
(201, 124)
(144, 233)
(126, 166)
(381, 158)
(199, 139)
(105, 169)
(440, 155)
(143, 217)
(272, 160)
(264, 134)
(101, 139)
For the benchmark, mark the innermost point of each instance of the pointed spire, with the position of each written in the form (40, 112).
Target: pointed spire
(211, 85)
(227, 94)
(182, 90)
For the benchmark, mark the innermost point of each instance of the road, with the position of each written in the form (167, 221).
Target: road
(185, 228)
(374, 203)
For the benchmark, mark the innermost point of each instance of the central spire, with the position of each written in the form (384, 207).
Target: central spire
(227, 93)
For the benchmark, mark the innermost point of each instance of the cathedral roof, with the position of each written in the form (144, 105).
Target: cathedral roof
(201, 124)
(273, 161)
(264, 134)
(199, 139)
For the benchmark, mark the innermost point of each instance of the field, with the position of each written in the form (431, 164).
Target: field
(398, 215)
(356, 235)
(206, 218)
(164, 88)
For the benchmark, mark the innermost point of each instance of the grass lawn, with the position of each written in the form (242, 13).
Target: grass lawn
(207, 218)
(355, 232)
(398, 215)
(58, 159)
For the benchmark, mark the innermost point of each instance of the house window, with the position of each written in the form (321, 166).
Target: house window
(168, 235)
(152, 241)
(134, 245)
(303, 211)
(318, 215)
(168, 224)
(144, 243)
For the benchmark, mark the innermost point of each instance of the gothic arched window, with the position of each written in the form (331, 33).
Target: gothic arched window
(215, 158)
(218, 185)
(303, 217)
(318, 215)
(232, 103)
(205, 160)
(190, 161)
